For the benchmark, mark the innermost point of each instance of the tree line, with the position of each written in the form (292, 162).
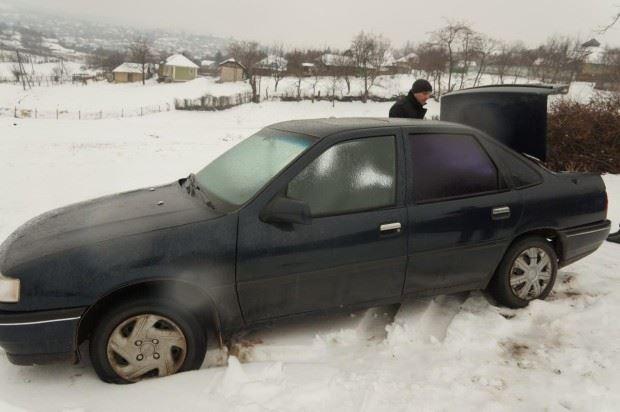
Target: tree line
(451, 57)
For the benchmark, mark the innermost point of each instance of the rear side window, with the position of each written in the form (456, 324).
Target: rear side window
(522, 174)
(350, 176)
(450, 165)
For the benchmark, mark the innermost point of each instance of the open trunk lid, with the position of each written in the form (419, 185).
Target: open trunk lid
(515, 115)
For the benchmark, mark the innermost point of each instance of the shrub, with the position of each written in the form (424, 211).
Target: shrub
(585, 136)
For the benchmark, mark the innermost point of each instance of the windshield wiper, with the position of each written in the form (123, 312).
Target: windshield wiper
(192, 188)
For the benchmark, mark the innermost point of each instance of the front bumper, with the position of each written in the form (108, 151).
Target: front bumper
(40, 337)
(578, 242)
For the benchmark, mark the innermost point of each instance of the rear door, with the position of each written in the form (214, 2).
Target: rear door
(461, 212)
(353, 252)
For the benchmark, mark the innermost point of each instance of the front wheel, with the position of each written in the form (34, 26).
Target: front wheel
(527, 272)
(146, 338)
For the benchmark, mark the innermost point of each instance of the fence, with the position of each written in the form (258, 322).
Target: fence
(63, 114)
(208, 102)
(40, 80)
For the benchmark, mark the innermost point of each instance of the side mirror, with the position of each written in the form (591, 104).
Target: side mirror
(286, 210)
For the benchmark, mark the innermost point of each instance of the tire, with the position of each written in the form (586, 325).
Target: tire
(169, 339)
(529, 280)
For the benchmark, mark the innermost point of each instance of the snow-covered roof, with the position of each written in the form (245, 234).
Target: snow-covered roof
(406, 58)
(389, 59)
(306, 64)
(207, 63)
(591, 43)
(128, 68)
(273, 62)
(231, 60)
(179, 60)
(338, 60)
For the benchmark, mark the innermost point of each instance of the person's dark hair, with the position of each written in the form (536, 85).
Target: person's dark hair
(421, 85)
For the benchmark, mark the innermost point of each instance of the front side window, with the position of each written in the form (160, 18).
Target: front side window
(450, 165)
(242, 171)
(350, 176)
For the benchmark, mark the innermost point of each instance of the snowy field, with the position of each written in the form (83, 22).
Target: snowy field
(112, 97)
(450, 352)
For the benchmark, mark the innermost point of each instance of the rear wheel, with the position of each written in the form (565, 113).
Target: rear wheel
(146, 338)
(527, 272)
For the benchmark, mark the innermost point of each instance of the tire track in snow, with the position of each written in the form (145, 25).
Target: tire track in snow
(426, 319)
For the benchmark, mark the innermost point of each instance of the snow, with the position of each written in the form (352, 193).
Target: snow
(128, 68)
(39, 69)
(444, 353)
(111, 96)
(179, 60)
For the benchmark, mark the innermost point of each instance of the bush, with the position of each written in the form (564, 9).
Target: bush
(585, 136)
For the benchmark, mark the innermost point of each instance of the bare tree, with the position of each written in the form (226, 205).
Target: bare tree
(433, 60)
(344, 64)
(482, 48)
(611, 24)
(448, 36)
(370, 53)
(562, 58)
(315, 82)
(140, 51)
(467, 36)
(248, 54)
(503, 60)
(16, 72)
(295, 67)
(278, 64)
(611, 63)
(106, 60)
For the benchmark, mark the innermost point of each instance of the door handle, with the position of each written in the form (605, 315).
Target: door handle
(390, 227)
(502, 212)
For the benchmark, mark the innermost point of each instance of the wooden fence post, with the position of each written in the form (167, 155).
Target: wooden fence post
(56, 113)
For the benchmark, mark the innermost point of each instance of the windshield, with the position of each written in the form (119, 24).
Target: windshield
(242, 171)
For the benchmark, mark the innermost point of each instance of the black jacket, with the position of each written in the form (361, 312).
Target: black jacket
(408, 106)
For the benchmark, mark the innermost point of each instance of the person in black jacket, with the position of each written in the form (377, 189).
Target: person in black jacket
(411, 106)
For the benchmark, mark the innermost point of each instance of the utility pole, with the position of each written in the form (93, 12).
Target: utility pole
(22, 71)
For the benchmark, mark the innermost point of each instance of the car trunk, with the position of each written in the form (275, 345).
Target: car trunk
(515, 115)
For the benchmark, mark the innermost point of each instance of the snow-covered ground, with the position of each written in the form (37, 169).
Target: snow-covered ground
(40, 69)
(111, 96)
(105, 96)
(450, 352)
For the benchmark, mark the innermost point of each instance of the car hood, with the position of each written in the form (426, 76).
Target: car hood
(102, 219)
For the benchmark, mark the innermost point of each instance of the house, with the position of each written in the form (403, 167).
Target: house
(231, 71)
(308, 68)
(271, 64)
(207, 68)
(129, 72)
(178, 68)
(337, 64)
(407, 62)
(595, 69)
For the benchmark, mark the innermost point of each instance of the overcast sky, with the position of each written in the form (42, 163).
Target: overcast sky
(334, 22)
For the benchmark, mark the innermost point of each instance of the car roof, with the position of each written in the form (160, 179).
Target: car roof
(324, 127)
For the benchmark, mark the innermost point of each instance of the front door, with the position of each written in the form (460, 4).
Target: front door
(353, 252)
